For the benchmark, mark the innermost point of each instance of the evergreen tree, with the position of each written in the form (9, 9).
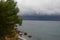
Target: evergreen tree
(8, 17)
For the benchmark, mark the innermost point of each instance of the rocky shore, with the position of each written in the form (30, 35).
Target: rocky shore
(18, 36)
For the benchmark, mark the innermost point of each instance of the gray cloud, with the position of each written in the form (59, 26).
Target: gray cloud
(39, 6)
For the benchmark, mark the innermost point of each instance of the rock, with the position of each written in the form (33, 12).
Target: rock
(29, 36)
(25, 33)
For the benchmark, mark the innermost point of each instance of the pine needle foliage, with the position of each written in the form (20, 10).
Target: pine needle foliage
(8, 17)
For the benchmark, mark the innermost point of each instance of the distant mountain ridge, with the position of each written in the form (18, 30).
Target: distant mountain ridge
(41, 17)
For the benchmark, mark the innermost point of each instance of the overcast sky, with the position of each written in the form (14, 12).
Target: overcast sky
(39, 6)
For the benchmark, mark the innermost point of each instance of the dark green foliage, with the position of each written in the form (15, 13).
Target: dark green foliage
(8, 17)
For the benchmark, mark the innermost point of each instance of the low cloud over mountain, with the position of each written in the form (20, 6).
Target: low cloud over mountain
(39, 6)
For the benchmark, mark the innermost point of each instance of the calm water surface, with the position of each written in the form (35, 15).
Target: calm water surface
(41, 30)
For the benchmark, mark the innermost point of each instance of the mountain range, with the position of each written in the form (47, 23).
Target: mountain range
(40, 17)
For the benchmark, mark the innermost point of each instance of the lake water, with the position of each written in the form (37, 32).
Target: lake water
(41, 30)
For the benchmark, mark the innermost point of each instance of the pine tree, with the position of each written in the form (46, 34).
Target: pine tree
(8, 17)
